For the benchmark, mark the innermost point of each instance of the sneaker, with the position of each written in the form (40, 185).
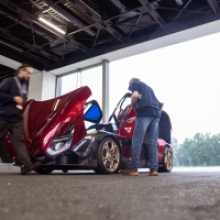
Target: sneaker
(130, 172)
(153, 173)
(25, 170)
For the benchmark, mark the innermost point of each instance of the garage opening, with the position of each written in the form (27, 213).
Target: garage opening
(185, 77)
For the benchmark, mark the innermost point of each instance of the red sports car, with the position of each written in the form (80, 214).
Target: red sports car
(55, 134)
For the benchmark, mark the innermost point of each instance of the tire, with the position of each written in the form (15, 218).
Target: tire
(98, 171)
(44, 171)
(109, 156)
(167, 160)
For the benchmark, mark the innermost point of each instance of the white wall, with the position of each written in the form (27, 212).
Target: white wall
(49, 86)
(42, 84)
(9, 62)
(36, 86)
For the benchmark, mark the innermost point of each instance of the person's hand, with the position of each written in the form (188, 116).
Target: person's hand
(18, 100)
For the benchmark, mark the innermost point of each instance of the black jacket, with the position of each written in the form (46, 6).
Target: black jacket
(8, 90)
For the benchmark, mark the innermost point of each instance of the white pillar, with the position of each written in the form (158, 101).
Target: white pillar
(105, 90)
(42, 84)
(79, 78)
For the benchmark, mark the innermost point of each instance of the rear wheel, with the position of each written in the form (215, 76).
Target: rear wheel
(167, 161)
(108, 156)
(44, 171)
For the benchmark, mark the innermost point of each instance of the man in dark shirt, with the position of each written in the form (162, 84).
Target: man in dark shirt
(13, 93)
(147, 108)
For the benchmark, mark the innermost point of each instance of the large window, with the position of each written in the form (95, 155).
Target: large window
(91, 77)
(185, 77)
(67, 83)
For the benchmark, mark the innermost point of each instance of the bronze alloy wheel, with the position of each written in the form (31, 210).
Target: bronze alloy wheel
(109, 156)
(167, 162)
(168, 159)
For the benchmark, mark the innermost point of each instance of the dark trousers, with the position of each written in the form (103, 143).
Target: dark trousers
(16, 133)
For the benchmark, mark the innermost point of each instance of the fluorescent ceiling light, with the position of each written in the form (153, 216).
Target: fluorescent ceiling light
(52, 26)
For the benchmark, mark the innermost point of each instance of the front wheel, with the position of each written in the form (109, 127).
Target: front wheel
(108, 156)
(167, 161)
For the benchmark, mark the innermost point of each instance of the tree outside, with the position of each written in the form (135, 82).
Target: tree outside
(201, 150)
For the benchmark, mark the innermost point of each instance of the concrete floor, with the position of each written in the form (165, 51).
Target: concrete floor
(183, 194)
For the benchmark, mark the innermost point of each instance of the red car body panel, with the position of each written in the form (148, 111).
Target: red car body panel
(43, 120)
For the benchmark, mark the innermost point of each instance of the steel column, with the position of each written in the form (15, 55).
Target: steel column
(105, 90)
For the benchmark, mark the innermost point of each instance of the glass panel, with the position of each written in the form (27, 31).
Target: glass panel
(126, 103)
(67, 84)
(123, 105)
(93, 79)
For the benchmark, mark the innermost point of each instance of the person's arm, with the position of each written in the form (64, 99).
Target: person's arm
(135, 94)
(134, 99)
(4, 93)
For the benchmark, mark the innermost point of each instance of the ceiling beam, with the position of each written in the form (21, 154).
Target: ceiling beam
(214, 6)
(135, 25)
(80, 5)
(179, 9)
(32, 18)
(185, 6)
(45, 8)
(118, 4)
(23, 58)
(69, 16)
(16, 19)
(27, 52)
(151, 10)
(29, 47)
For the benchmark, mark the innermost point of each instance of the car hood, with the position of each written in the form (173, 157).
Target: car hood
(42, 120)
